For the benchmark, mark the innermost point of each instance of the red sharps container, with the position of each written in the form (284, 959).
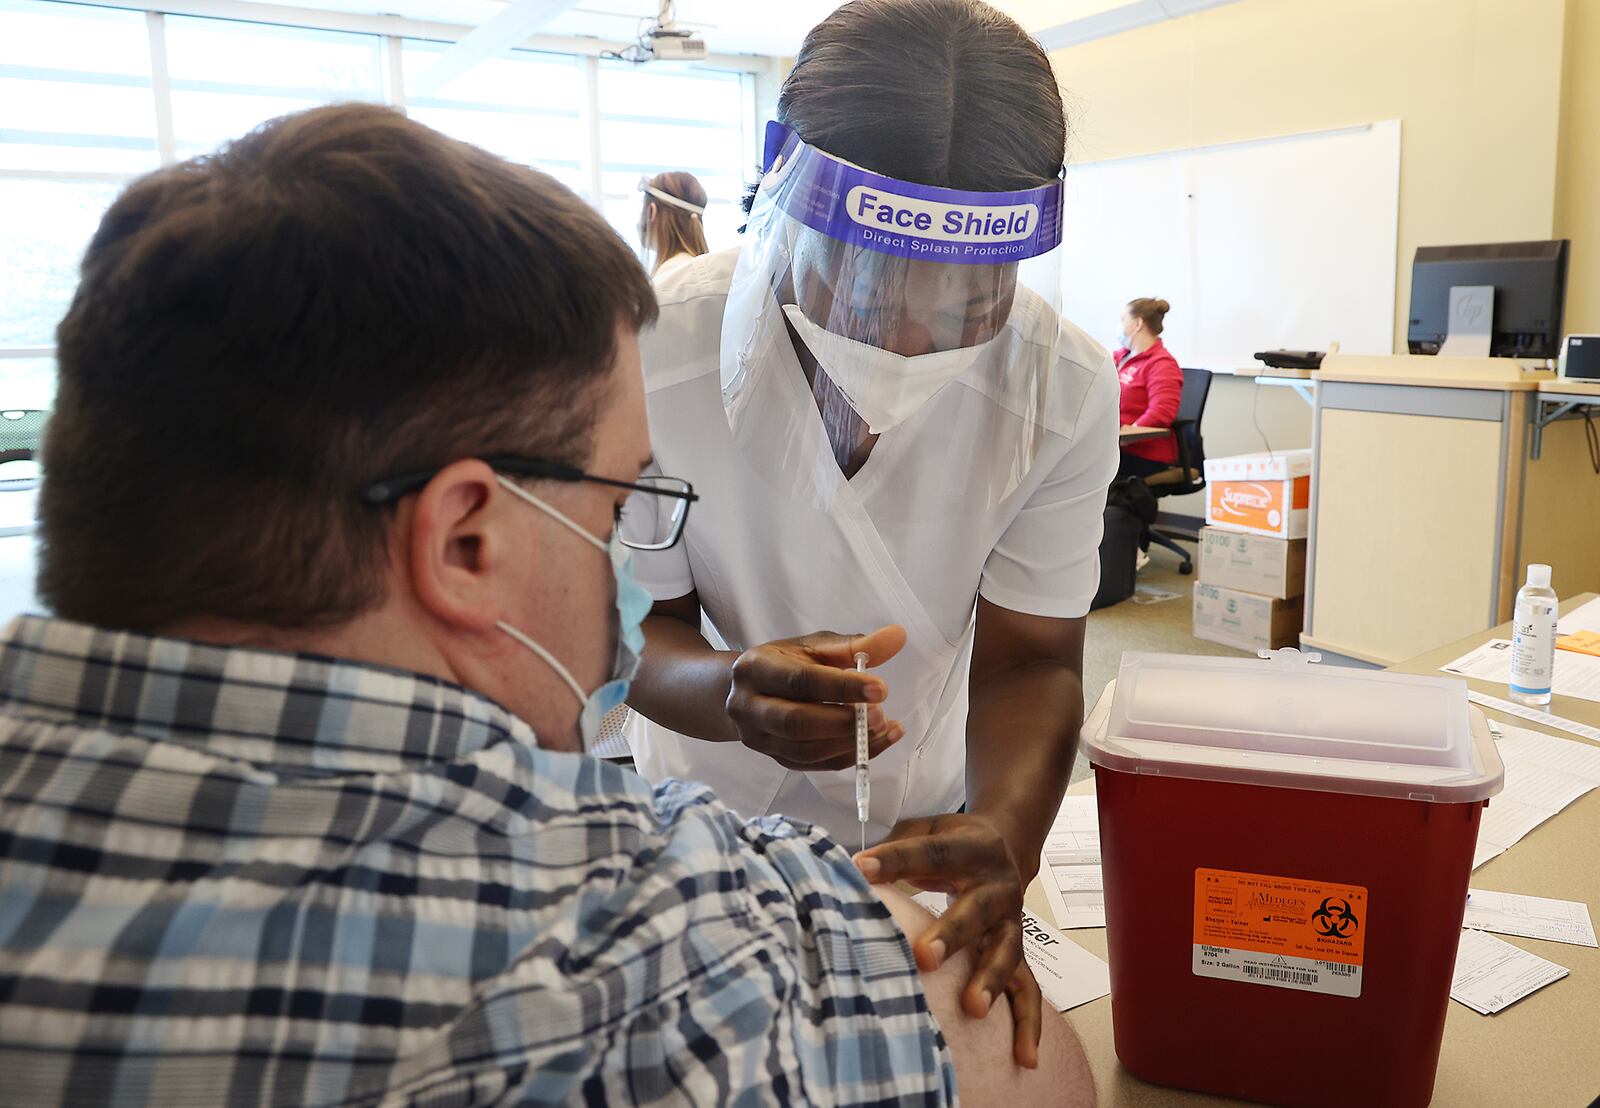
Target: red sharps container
(1286, 849)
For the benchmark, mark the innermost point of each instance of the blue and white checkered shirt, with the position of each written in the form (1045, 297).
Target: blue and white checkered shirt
(233, 876)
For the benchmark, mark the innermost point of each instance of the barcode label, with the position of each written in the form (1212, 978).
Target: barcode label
(1277, 970)
(1273, 973)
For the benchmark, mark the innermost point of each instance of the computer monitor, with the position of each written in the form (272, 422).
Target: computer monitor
(1530, 287)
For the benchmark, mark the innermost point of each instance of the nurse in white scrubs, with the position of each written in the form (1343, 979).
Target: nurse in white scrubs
(897, 438)
(672, 225)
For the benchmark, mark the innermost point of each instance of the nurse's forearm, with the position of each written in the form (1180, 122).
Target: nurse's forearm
(683, 681)
(1024, 714)
(1022, 737)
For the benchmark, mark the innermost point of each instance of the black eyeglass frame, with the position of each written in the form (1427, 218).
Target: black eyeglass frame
(391, 489)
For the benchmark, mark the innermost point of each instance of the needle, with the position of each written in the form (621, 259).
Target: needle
(863, 781)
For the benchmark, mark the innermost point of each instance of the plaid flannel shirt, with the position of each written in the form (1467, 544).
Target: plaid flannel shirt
(234, 876)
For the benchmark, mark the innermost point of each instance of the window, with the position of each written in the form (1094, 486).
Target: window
(654, 119)
(77, 119)
(522, 105)
(45, 225)
(227, 77)
(75, 89)
(83, 111)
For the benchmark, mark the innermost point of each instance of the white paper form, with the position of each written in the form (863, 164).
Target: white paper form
(1574, 675)
(1544, 774)
(1070, 865)
(1532, 917)
(1583, 618)
(1068, 975)
(1492, 975)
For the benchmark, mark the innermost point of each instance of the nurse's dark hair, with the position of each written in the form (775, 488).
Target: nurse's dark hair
(340, 296)
(1151, 312)
(940, 92)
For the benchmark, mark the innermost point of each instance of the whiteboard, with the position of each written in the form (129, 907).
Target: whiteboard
(1281, 243)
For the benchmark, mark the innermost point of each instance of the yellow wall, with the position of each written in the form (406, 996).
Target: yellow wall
(1476, 84)
(1578, 165)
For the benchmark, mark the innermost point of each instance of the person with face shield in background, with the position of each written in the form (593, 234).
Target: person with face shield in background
(904, 452)
(672, 226)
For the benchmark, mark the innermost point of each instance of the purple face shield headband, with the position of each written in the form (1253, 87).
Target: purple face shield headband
(857, 206)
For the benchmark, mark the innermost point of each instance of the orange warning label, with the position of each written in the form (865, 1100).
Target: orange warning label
(1280, 915)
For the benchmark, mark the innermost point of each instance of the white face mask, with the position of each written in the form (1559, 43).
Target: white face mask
(633, 604)
(883, 387)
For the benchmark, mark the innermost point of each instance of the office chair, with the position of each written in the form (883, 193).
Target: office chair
(1189, 475)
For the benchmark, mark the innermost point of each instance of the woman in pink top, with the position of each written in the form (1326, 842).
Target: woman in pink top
(1152, 385)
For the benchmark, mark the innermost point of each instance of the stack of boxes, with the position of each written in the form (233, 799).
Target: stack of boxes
(1253, 550)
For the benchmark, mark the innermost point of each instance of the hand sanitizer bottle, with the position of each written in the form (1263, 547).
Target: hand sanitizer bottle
(1533, 639)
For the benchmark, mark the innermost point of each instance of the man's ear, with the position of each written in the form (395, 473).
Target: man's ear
(459, 549)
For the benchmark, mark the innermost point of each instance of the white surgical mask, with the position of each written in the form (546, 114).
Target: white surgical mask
(633, 604)
(883, 387)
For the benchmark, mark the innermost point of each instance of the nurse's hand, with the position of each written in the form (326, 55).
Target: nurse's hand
(794, 700)
(965, 855)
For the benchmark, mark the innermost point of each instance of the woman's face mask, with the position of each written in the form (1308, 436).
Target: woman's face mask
(883, 387)
(1125, 338)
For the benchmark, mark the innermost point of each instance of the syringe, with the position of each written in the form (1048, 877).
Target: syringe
(863, 780)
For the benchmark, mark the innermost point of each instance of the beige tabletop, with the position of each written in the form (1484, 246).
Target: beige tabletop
(1544, 1050)
(1269, 371)
(1572, 387)
(1140, 434)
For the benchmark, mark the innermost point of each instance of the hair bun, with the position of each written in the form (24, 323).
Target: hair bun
(1163, 307)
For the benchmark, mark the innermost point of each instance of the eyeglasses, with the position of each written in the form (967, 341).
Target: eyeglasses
(641, 524)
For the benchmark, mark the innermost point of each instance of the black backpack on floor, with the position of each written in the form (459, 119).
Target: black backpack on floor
(1130, 508)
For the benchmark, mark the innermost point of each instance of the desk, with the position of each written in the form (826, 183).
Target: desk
(1425, 505)
(1557, 400)
(1541, 1051)
(1302, 381)
(1141, 434)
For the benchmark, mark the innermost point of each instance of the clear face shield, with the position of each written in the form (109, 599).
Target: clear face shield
(864, 308)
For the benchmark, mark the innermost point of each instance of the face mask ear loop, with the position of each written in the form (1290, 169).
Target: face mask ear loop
(561, 670)
(549, 658)
(553, 513)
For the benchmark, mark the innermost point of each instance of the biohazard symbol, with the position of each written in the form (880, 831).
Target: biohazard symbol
(1335, 918)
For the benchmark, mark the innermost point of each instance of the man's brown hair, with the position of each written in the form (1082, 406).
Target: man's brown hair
(337, 297)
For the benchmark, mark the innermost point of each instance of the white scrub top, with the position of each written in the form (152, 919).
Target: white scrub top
(912, 539)
(670, 266)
